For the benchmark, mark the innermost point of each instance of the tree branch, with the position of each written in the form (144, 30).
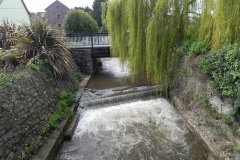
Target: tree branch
(191, 2)
(195, 13)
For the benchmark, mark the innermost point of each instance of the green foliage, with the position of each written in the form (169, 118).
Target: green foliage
(86, 9)
(234, 130)
(237, 147)
(217, 129)
(184, 72)
(194, 48)
(7, 30)
(187, 44)
(104, 17)
(32, 66)
(39, 42)
(9, 60)
(219, 22)
(227, 119)
(197, 48)
(146, 32)
(97, 11)
(61, 111)
(2, 78)
(78, 21)
(223, 66)
(14, 58)
(4, 106)
(79, 76)
(214, 114)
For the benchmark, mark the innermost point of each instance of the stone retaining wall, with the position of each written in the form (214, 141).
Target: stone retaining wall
(83, 60)
(27, 99)
(194, 99)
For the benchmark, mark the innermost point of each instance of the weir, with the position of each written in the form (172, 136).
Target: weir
(134, 125)
(131, 97)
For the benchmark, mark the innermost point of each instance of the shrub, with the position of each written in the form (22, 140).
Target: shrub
(197, 48)
(223, 65)
(194, 48)
(38, 41)
(78, 21)
(8, 30)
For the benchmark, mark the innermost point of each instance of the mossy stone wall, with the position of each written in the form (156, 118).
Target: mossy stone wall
(27, 100)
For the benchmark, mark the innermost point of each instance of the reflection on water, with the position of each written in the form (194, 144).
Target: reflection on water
(139, 130)
(112, 75)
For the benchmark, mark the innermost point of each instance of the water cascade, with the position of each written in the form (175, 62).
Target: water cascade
(134, 126)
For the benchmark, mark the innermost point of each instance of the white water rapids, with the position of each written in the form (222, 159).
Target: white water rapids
(140, 130)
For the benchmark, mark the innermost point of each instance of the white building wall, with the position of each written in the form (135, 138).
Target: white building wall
(14, 11)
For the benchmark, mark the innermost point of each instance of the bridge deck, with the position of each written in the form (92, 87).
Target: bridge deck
(99, 43)
(88, 47)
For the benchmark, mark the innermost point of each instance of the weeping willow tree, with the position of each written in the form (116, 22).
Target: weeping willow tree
(220, 22)
(144, 32)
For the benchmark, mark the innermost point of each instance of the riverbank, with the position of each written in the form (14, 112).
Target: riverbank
(50, 148)
(194, 99)
(199, 104)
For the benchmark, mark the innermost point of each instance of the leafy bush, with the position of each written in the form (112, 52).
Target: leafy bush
(224, 67)
(187, 44)
(197, 48)
(194, 48)
(38, 41)
(78, 21)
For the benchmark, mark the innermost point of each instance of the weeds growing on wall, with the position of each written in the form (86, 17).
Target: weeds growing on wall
(223, 66)
(62, 110)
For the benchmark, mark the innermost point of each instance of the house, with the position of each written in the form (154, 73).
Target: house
(55, 14)
(14, 11)
(38, 15)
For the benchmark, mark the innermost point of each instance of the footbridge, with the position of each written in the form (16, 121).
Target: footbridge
(93, 45)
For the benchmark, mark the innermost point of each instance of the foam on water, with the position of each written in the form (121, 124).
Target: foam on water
(138, 130)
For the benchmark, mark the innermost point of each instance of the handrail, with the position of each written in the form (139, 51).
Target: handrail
(85, 34)
(87, 39)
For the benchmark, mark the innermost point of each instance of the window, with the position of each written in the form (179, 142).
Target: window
(58, 16)
(57, 7)
(59, 25)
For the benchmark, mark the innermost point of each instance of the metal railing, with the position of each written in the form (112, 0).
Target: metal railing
(87, 40)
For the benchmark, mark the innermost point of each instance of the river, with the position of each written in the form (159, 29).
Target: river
(135, 129)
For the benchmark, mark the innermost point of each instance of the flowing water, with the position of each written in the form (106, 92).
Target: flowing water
(125, 121)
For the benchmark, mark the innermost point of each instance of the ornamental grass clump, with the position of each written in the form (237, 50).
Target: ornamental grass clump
(38, 41)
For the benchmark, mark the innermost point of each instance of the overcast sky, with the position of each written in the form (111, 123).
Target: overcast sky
(40, 5)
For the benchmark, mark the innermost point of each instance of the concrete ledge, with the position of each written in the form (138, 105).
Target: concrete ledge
(49, 149)
(72, 126)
